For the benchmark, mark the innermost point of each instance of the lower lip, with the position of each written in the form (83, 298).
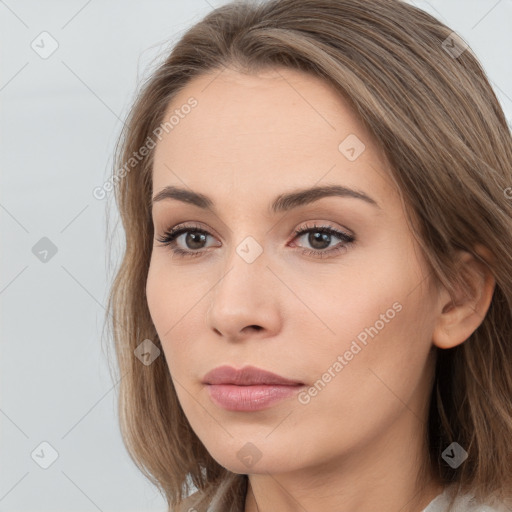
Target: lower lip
(249, 398)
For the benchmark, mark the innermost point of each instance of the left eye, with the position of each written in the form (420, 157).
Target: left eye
(319, 237)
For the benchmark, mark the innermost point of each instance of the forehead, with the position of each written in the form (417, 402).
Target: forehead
(275, 130)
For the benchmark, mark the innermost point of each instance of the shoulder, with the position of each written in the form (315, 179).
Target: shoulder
(465, 502)
(475, 506)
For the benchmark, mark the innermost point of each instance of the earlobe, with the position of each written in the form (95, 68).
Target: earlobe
(461, 315)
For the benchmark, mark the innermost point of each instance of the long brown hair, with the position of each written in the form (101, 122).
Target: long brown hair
(436, 116)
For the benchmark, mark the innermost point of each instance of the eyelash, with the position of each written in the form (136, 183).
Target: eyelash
(169, 239)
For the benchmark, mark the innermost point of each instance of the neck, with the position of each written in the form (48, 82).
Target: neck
(382, 475)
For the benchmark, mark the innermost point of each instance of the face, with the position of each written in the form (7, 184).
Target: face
(328, 290)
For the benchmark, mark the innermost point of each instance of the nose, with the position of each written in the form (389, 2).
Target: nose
(244, 302)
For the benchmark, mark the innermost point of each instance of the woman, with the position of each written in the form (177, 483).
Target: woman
(313, 311)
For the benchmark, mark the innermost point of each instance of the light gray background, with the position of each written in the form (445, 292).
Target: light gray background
(60, 119)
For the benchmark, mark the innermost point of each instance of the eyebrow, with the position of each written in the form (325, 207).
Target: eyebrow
(282, 203)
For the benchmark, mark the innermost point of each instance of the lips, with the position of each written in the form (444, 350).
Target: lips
(249, 389)
(247, 376)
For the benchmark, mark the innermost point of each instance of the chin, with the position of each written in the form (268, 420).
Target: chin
(248, 458)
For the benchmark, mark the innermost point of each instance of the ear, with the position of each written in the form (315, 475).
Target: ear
(460, 317)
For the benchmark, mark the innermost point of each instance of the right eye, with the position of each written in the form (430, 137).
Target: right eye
(195, 236)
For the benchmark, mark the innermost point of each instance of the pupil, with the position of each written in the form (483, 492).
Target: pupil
(319, 237)
(192, 237)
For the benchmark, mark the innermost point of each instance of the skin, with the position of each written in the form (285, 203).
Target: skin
(357, 444)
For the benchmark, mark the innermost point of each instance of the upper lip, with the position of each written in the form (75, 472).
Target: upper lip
(246, 376)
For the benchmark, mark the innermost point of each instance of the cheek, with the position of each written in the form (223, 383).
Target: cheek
(376, 362)
(156, 296)
(174, 303)
(168, 293)
(376, 292)
(379, 313)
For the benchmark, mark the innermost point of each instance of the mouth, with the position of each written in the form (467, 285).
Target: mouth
(248, 389)
(249, 398)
